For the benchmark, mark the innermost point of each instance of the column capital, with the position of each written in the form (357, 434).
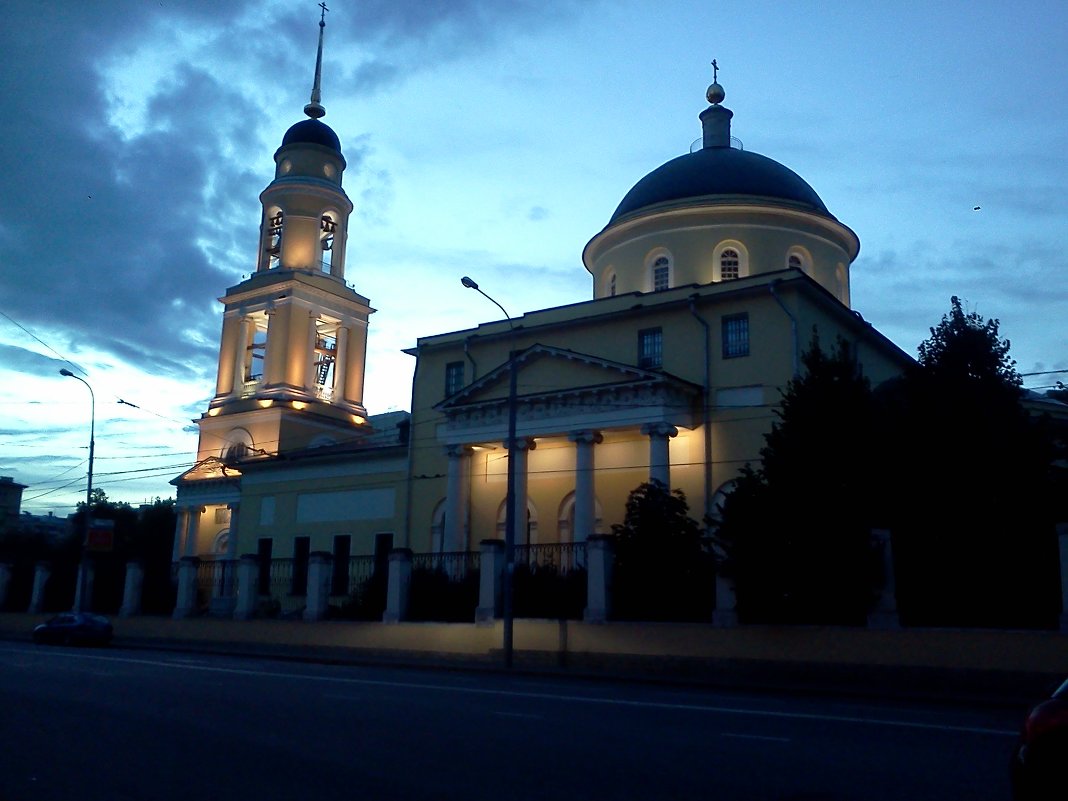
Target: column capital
(456, 451)
(660, 430)
(587, 435)
(522, 444)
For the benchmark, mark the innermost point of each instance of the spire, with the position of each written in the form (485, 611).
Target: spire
(716, 119)
(314, 109)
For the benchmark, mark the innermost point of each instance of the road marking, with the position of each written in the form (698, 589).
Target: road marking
(518, 715)
(581, 699)
(754, 737)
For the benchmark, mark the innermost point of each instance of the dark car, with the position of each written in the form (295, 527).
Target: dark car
(1040, 761)
(74, 628)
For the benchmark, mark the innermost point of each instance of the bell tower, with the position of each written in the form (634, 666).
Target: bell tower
(294, 335)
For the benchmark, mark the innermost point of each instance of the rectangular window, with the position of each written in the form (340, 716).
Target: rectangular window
(735, 336)
(454, 378)
(650, 348)
(301, 552)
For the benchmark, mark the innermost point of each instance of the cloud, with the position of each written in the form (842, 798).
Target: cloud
(537, 213)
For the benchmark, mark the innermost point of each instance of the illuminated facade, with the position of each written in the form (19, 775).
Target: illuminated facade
(708, 283)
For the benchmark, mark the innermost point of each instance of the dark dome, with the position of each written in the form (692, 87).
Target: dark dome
(715, 171)
(312, 132)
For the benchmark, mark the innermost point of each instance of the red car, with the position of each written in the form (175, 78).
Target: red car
(1040, 761)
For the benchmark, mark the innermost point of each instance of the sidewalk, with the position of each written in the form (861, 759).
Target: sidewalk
(982, 667)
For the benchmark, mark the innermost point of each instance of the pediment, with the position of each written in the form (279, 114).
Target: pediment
(545, 372)
(211, 469)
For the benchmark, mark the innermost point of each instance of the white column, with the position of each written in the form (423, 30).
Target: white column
(84, 602)
(585, 504)
(192, 529)
(248, 574)
(398, 584)
(240, 352)
(131, 593)
(600, 558)
(519, 510)
(342, 344)
(320, 568)
(659, 451)
(491, 575)
(454, 498)
(884, 615)
(186, 602)
(231, 545)
(41, 574)
(180, 526)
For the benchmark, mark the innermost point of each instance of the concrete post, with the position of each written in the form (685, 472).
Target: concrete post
(490, 580)
(600, 559)
(400, 579)
(41, 574)
(186, 603)
(248, 576)
(320, 571)
(132, 590)
(1062, 542)
(181, 523)
(85, 604)
(884, 615)
(5, 582)
(725, 614)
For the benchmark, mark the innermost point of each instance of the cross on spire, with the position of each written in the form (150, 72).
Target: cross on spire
(322, 19)
(315, 109)
(715, 71)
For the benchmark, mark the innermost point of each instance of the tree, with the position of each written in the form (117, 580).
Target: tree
(663, 571)
(967, 483)
(794, 532)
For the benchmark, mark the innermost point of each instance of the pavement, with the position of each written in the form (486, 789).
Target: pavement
(948, 666)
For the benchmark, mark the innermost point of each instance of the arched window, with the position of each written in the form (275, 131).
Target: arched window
(798, 259)
(327, 229)
(729, 265)
(272, 246)
(731, 261)
(524, 534)
(660, 269)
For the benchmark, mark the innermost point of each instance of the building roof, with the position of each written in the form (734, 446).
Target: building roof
(312, 132)
(723, 173)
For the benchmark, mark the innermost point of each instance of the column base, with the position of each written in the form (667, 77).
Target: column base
(129, 611)
(591, 615)
(725, 618)
(485, 616)
(883, 620)
(181, 613)
(390, 617)
(222, 606)
(1064, 623)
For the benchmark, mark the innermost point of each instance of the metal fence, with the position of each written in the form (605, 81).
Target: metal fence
(360, 571)
(457, 565)
(563, 556)
(279, 579)
(217, 577)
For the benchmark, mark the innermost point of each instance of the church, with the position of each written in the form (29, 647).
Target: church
(709, 280)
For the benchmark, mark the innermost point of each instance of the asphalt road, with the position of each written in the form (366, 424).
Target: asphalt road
(116, 724)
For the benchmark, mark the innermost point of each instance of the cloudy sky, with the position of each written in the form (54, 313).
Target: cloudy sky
(483, 138)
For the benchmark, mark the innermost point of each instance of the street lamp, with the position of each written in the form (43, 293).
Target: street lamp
(81, 600)
(510, 510)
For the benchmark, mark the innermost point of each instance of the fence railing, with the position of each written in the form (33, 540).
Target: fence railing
(563, 556)
(217, 578)
(279, 579)
(457, 565)
(360, 570)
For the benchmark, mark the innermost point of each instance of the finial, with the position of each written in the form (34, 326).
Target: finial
(314, 109)
(715, 93)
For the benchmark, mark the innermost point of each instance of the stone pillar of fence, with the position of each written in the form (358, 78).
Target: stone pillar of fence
(1062, 541)
(490, 580)
(41, 574)
(248, 577)
(5, 582)
(320, 573)
(600, 559)
(399, 584)
(132, 589)
(186, 603)
(85, 585)
(884, 615)
(725, 615)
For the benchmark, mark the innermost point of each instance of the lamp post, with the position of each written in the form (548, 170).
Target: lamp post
(510, 510)
(81, 600)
